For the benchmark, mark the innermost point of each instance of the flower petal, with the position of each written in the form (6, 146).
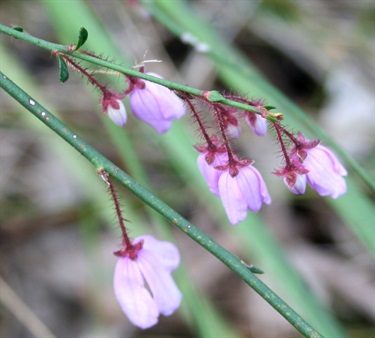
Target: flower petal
(299, 186)
(171, 106)
(165, 292)
(325, 172)
(166, 252)
(145, 107)
(253, 188)
(156, 105)
(233, 200)
(117, 115)
(257, 124)
(134, 299)
(210, 174)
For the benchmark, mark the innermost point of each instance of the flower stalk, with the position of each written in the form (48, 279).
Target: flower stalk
(126, 242)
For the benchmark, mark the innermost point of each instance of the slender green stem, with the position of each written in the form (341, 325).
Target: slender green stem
(53, 47)
(100, 162)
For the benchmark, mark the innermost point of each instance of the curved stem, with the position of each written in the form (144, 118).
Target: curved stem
(101, 163)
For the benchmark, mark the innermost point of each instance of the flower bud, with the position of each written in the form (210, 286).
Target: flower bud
(257, 123)
(299, 185)
(116, 112)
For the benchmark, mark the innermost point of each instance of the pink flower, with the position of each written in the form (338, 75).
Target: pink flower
(116, 112)
(113, 107)
(156, 105)
(210, 174)
(244, 191)
(299, 185)
(143, 283)
(257, 123)
(325, 172)
(294, 176)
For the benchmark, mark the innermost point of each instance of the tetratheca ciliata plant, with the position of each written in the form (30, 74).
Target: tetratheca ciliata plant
(234, 180)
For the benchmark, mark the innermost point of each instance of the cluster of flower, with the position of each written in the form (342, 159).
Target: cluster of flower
(143, 284)
(237, 182)
(152, 103)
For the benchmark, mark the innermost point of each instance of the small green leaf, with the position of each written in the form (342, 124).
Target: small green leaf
(269, 107)
(64, 73)
(83, 35)
(255, 269)
(18, 28)
(214, 96)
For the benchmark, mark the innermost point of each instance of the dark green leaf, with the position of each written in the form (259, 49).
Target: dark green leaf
(64, 73)
(18, 28)
(269, 107)
(83, 35)
(255, 269)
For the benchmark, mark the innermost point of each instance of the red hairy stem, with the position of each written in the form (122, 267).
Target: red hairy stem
(279, 132)
(210, 144)
(125, 238)
(219, 110)
(291, 137)
(91, 78)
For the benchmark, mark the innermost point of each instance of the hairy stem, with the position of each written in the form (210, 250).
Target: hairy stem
(56, 48)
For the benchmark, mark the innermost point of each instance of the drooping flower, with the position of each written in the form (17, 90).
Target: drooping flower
(294, 174)
(257, 123)
(154, 104)
(143, 283)
(299, 186)
(245, 191)
(114, 108)
(209, 172)
(212, 154)
(117, 113)
(325, 172)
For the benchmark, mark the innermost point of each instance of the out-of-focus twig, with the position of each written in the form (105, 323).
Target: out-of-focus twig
(22, 312)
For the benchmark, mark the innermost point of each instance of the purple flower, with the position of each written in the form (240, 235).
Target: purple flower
(294, 176)
(244, 191)
(257, 123)
(299, 185)
(114, 108)
(143, 283)
(234, 131)
(156, 105)
(325, 172)
(210, 174)
(117, 113)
